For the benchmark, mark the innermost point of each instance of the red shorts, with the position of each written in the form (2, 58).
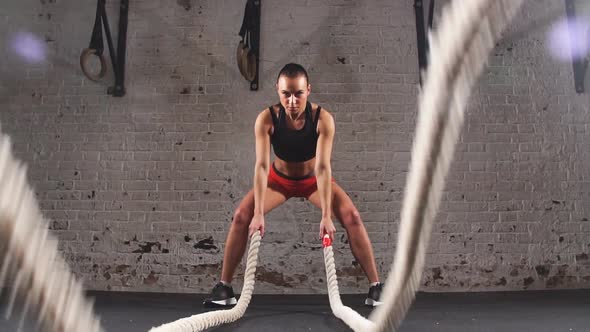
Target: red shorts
(292, 187)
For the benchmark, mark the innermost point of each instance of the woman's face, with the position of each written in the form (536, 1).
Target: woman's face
(293, 93)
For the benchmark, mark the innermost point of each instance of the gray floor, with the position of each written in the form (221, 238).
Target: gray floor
(514, 311)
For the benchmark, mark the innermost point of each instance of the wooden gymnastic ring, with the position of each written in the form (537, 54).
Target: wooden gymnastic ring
(250, 68)
(239, 52)
(249, 64)
(83, 61)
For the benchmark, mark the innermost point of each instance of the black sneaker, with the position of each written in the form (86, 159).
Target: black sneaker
(221, 296)
(373, 298)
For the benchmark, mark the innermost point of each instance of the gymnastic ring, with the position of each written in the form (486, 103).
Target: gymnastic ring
(83, 61)
(250, 65)
(243, 61)
(239, 53)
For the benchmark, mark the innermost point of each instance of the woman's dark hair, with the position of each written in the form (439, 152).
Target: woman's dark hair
(293, 70)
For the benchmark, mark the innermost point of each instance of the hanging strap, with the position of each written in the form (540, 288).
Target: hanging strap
(317, 115)
(275, 119)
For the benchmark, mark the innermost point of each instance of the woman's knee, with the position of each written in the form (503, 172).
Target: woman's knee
(242, 217)
(351, 218)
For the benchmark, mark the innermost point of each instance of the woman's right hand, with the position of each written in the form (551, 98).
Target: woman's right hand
(257, 223)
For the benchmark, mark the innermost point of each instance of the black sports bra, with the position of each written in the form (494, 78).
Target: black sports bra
(294, 145)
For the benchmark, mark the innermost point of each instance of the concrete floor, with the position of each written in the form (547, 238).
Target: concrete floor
(537, 311)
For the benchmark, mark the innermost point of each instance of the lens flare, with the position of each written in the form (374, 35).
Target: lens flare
(28, 46)
(569, 39)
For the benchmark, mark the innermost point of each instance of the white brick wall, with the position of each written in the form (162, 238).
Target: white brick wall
(141, 189)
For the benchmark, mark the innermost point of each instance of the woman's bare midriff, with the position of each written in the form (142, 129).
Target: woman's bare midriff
(295, 169)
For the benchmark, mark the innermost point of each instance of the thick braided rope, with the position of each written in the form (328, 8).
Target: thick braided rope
(30, 267)
(352, 318)
(458, 52)
(206, 320)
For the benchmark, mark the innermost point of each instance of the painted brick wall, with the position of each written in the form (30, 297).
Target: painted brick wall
(141, 189)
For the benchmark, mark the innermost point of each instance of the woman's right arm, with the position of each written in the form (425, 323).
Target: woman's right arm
(261, 168)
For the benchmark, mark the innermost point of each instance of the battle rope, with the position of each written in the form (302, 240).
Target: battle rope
(206, 320)
(458, 52)
(30, 263)
(352, 318)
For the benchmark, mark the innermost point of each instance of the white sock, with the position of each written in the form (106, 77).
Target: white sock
(375, 283)
(225, 283)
